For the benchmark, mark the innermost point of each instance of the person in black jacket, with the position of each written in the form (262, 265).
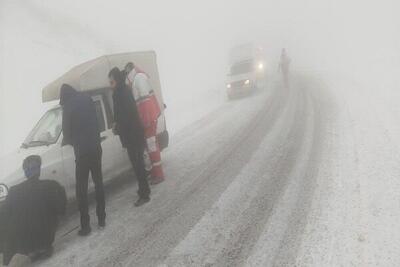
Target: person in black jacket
(30, 214)
(130, 130)
(81, 130)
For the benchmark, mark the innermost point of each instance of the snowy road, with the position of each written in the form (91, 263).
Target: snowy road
(245, 187)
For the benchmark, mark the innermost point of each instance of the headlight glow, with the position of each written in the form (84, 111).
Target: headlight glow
(228, 85)
(3, 192)
(260, 66)
(247, 82)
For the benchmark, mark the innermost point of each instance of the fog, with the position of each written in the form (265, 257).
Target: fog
(40, 40)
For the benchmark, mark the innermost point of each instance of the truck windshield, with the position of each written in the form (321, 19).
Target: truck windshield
(242, 67)
(47, 130)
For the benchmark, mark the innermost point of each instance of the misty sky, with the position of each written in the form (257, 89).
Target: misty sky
(40, 40)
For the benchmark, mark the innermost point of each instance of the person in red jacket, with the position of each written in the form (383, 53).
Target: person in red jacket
(149, 111)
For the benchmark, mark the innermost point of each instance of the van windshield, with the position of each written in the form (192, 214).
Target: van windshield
(242, 67)
(47, 130)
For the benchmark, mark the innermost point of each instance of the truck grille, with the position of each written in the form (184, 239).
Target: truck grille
(237, 84)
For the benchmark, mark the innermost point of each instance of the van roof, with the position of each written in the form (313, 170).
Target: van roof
(93, 74)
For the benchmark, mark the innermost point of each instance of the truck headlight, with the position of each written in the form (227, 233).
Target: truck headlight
(260, 66)
(3, 191)
(247, 82)
(228, 85)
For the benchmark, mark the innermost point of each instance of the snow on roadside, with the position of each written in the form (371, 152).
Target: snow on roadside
(355, 212)
(330, 237)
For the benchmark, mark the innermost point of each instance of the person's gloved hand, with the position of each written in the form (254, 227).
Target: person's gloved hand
(115, 129)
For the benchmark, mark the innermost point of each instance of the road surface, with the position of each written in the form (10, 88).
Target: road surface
(269, 180)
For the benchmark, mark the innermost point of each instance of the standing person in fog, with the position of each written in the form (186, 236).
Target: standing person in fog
(284, 65)
(30, 214)
(130, 130)
(149, 111)
(81, 130)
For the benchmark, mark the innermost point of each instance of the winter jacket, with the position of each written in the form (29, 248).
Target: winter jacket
(146, 100)
(80, 124)
(126, 117)
(31, 212)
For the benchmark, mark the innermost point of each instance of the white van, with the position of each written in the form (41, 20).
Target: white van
(247, 70)
(46, 137)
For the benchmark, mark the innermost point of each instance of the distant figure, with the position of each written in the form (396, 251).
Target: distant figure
(81, 130)
(149, 111)
(130, 130)
(284, 66)
(31, 212)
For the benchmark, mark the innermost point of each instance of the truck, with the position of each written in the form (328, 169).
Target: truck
(246, 70)
(45, 139)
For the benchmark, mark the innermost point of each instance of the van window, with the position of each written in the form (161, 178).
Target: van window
(100, 115)
(242, 67)
(47, 130)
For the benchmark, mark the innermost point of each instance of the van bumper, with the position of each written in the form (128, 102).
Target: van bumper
(238, 92)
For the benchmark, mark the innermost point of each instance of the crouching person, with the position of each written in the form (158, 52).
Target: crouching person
(31, 212)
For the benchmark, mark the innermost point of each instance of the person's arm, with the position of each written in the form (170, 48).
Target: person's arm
(66, 127)
(142, 84)
(3, 229)
(148, 107)
(57, 197)
(5, 213)
(62, 200)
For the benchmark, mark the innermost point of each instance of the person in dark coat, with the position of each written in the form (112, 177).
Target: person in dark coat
(81, 130)
(31, 212)
(284, 66)
(130, 130)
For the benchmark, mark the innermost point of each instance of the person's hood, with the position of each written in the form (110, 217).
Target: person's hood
(131, 75)
(67, 92)
(139, 70)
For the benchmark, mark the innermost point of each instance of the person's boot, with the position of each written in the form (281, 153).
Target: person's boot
(84, 231)
(34, 256)
(141, 201)
(41, 254)
(102, 223)
(47, 253)
(156, 180)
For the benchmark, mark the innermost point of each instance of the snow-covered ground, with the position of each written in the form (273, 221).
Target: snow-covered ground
(306, 176)
(301, 177)
(355, 212)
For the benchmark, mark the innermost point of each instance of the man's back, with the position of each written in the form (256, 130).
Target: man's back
(127, 117)
(31, 211)
(80, 124)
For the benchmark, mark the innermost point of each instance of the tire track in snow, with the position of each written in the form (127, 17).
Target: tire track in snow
(271, 187)
(179, 217)
(211, 235)
(145, 236)
(279, 241)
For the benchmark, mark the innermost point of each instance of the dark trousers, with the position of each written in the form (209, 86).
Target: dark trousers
(90, 162)
(136, 157)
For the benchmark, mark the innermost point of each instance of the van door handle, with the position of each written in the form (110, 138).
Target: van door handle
(103, 138)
